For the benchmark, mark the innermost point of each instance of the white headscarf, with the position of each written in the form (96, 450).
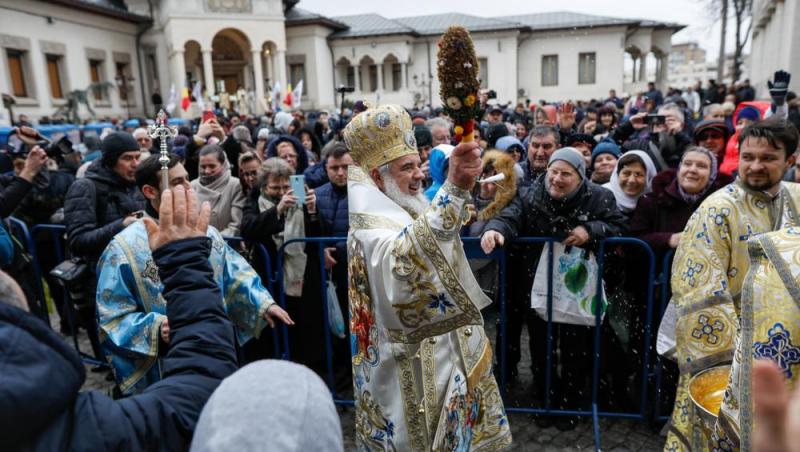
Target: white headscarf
(625, 202)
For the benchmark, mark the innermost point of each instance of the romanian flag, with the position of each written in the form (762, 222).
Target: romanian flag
(288, 99)
(186, 100)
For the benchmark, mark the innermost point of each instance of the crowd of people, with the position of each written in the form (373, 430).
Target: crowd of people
(668, 169)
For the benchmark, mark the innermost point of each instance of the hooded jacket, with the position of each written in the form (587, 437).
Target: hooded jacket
(41, 408)
(731, 161)
(302, 157)
(95, 208)
(438, 161)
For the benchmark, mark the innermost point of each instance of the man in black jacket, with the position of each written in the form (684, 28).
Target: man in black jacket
(562, 204)
(97, 207)
(41, 407)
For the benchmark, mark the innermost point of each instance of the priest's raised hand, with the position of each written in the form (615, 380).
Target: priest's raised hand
(180, 218)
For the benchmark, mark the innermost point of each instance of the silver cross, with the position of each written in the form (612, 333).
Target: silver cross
(162, 131)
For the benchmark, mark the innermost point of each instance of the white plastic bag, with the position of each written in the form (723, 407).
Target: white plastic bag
(335, 319)
(575, 298)
(665, 341)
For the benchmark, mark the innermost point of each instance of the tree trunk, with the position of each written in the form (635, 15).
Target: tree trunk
(721, 58)
(742, 9)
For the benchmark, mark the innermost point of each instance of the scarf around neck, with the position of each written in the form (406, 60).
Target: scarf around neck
(294, 262)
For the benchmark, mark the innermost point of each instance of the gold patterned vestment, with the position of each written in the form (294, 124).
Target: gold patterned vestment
(707, 277)
(422, 365)
(770, 326)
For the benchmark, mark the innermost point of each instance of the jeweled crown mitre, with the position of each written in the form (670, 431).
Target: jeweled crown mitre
(379, 135)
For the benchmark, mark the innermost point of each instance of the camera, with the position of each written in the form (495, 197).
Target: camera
(345, 89)
(54, 150)
(492, 94)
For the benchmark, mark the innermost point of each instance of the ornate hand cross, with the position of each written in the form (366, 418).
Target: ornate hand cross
(162, 131)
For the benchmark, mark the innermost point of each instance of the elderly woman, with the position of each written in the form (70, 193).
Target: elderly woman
(223, 191)
(661, 215)
(632, 178)
(272, 217)
(562, 204)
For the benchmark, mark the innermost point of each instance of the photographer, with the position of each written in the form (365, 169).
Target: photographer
(97, 207)
(29, 169)
(664, 140)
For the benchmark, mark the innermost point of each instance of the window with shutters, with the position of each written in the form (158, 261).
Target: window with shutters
(54, 76)
(123, 80)
(96, 76)
(550, 70)
(16, 69)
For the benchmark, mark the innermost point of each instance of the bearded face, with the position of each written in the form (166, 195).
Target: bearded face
(401, 180)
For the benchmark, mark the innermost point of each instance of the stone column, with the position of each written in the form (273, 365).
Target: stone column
(357, 77)
(259, 76)
(643, 68)
(268, 70)
(380, 76)
(208, 73)
(403, 76)
(281, 66)
(178, 71)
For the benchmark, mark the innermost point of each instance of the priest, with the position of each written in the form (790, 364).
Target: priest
(422, 365)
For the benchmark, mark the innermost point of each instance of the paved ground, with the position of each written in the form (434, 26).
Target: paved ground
(617, 435)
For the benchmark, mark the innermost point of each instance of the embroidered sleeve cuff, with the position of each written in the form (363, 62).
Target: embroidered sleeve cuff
(447, 210)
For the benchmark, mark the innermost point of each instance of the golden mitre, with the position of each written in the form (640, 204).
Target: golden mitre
(379, 135)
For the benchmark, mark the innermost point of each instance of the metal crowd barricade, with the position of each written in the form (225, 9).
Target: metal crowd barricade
(266, 279)
(658, 368)
(473, 251)
(23, 234)
(324, 289)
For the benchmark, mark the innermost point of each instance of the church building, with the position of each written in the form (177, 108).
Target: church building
(142, 47)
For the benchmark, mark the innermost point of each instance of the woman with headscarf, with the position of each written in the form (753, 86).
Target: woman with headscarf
(632, 178)
(661, 215)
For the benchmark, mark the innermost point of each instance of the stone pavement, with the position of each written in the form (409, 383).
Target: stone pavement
(616, 434)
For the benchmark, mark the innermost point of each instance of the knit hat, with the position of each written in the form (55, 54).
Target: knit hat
(571, 156)
(295, 413)
(606, 146)
(748, 112)
(507, 143)
(116, 144)
(423, 136)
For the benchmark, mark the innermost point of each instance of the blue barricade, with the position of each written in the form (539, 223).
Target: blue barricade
(472, 250)
(664, 283)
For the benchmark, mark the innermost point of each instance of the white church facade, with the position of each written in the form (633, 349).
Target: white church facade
(52, 47)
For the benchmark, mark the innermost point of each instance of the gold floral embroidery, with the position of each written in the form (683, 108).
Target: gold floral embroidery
(417, 429)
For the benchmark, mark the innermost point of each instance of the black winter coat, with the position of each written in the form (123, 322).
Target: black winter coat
(13, 192)
(95, 208)
(533, 213)
(333, 211)
(41, 408)
(41, 202)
